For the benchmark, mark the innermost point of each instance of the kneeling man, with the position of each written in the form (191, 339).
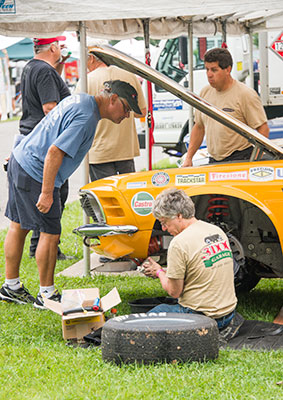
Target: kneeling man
(199, 263)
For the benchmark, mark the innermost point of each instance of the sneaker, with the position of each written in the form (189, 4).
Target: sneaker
(104, 260)
(62, 257)
(39, 303)
(233, 328)
(20, 296)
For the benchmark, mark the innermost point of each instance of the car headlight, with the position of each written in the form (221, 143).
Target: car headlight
(92, 206)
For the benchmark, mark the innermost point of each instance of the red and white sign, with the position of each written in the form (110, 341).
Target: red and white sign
(277, 45)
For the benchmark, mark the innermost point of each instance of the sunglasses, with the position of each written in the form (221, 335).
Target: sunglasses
(125, 107)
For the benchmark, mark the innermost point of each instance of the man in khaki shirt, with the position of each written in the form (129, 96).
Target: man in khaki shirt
(236, 99)
(199, 262)
(115, 146)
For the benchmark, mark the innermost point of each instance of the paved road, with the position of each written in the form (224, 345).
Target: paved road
(7, 132)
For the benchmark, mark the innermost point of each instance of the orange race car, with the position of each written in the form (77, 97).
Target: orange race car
(243, 198)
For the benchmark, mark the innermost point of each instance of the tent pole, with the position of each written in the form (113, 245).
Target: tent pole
(148, 125)
(83, 75)
(191, 71)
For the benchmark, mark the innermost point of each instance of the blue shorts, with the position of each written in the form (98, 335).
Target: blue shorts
(21, 207)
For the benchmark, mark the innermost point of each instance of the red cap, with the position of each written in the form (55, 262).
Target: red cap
(41, 42)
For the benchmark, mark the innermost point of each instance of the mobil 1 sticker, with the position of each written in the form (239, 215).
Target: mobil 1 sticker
(142, 203)
(160, 179)
(261, 174)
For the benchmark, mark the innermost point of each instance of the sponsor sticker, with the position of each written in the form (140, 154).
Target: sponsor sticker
(190, 179)
(7, 6)
(261, 174)
(136, 185)
(160, 179)
(225, 176)
(279, 173)
(142, 203)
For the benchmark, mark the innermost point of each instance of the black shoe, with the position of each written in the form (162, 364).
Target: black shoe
(233, 328)
(20, 296)
(62, 257)
(39, 303)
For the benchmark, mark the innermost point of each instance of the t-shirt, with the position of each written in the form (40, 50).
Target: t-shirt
(239, 101)
(201, 255)
(70, 126)
(40, 84)
(114, 142)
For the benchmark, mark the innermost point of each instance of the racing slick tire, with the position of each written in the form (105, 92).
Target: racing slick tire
(164, 337)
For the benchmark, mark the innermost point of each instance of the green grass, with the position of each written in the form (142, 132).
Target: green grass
(37, 364)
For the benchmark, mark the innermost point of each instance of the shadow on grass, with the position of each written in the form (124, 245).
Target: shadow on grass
(264, 302)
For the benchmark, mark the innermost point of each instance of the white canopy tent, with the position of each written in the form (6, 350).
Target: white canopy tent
(120, 20)
(127, 19)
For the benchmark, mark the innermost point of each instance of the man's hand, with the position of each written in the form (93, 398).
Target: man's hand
(151, 267)
(188, 162)
(45, 202)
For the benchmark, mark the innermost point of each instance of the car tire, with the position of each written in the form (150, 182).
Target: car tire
(163, 337)
(246, 278)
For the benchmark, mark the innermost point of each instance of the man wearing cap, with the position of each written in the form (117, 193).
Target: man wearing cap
(38, 167)
(42, 89)
(116, 156)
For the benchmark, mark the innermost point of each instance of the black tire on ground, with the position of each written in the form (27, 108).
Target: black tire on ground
(164, 337)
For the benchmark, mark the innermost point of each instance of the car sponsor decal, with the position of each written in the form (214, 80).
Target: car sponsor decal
(190, 179)
(142, 203)
(136, 185)
(231, 176)
(279, 173)
(261, 174)
(160, 179)
(215, 252)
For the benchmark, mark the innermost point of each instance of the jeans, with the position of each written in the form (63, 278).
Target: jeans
(177, 308)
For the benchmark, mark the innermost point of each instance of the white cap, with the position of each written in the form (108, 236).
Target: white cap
(94, 42)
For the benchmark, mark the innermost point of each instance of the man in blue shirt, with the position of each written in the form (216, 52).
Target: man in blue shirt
(38, 167)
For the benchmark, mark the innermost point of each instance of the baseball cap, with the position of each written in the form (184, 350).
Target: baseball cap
(41, 42)
(126, 91)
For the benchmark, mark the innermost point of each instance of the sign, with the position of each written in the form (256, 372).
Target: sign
(7, 6)
(277, 46)
(142, 203)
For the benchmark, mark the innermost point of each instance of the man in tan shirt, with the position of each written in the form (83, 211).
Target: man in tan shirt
(236, 99)
(199, 262)
(115, 146)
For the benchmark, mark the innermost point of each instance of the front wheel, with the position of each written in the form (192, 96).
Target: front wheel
(246, 278)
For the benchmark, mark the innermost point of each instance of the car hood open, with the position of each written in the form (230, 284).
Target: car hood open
(112, 56)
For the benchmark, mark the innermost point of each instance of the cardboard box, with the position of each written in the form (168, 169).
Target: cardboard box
(79, 324)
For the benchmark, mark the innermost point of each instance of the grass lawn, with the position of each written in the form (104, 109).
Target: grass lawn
(37, 364)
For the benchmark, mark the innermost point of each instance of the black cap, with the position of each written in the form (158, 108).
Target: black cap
(126, 91)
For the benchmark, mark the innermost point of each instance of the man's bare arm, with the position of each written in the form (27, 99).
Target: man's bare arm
(174, 287)
(263, 129)
(196, 138)
(52, 163)
(47, 107)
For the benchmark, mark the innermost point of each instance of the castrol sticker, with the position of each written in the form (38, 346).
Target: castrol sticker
(142, 203)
